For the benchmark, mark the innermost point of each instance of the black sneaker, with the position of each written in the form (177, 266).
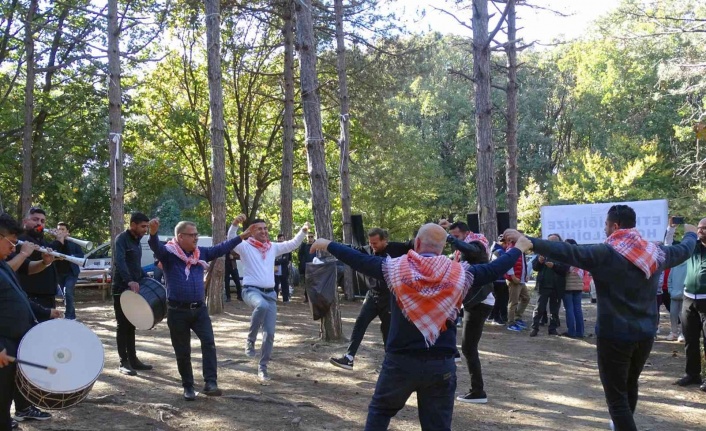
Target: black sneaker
(32, 413)
(703, 387)
(126, 369)
(534, 332)
(473, 398)
(14, 424)
(138, 365)
(342, 362)
(688, 380)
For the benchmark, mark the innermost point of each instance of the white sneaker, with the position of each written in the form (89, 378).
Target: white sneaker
(264, 377)
(671, 337)
(612, 427)
(680, 338)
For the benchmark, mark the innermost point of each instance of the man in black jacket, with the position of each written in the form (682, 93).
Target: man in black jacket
(67, 272)
(626, 272)
(17, 316)
(551, 283)
(282, 272)
(127, 273)
(377, 299)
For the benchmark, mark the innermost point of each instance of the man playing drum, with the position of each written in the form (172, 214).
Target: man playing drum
(17, 315)
(184, 263)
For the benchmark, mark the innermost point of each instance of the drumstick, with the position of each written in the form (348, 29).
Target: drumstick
(51, 370)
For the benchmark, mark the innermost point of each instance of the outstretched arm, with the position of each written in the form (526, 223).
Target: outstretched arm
(361, 262)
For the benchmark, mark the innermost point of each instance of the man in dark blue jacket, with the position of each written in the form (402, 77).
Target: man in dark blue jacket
(427, 292)
(626, 272)
(17, 316)
(67, 272)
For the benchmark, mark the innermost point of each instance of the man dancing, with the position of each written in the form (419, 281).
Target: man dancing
(258, 256)
(427, 292)
(626, 270)
(184, 264)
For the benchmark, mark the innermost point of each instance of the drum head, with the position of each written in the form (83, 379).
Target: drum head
(137, 310)
(70, 347)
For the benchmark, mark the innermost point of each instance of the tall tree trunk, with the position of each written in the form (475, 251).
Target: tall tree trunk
(511, 165)
(26, 192)
(115, 127)
(485, 178)
(344, 142)
(218, 159)
(331, 327)
(287, 182)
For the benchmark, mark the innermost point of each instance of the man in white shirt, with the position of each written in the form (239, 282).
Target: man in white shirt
(258, 257)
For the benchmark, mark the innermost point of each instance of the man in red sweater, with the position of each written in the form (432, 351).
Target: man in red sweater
(519, 295)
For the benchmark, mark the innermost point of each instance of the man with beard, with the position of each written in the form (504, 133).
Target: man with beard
(35, 272)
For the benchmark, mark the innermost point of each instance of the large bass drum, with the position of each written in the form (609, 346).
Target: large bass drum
(70, 347)
(146, 308)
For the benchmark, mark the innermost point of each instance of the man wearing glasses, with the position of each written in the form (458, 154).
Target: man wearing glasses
(37, 277)
(184, 264)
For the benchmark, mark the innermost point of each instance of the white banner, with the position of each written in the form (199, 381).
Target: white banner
(586, 223)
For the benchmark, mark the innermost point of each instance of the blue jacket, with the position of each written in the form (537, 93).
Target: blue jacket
(675, 282)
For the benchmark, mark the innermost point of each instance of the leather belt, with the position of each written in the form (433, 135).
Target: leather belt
(186, 305)
(261, 289)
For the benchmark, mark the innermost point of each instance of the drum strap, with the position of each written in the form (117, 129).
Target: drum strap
(9, 273)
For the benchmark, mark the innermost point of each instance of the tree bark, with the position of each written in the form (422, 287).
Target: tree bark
(287, 181)
(485, 178)
(27, 159)
(512, 90)
(331, 327)
(115, 126)
(344, 143)
(218, 167)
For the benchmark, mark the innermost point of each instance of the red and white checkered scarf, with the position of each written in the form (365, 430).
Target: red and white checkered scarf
(262, 247)
(469, 239)
(428, 290)
(641, 253)
(174, 248)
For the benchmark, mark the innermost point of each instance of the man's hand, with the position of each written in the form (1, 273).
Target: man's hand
(320, 244)
(511, 235)
(444, 223)
(27, 248)
(134, 286)
(55, 314)
(689, 228)
(240, 219)
(306, 227)
(522, 243)
(154, 226)
(516, 280)
(4, 358)
(47, 258)
(550, 264)
(247, 233)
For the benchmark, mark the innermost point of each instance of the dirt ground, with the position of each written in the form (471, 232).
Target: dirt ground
(542, 383)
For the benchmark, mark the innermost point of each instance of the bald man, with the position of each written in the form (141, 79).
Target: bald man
(427, 292)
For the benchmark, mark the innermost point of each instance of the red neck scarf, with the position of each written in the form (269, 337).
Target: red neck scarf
(262, 247)
(428, 290)
(641, 253)
(174, 248)
(469, 239)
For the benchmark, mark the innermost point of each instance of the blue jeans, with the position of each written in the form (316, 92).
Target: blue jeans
(67, 283)
(434, 381)
(181, 322)
(574, 314)
(264, 315)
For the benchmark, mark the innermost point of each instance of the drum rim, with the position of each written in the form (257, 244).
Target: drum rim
(152, 284)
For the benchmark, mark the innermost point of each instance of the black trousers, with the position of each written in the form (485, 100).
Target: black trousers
(619, 365)
(231, 269)
(540, 310)
(8, 387)
(282, 284)
(502, 297)
(473, 323)
(125, 334)
(181, 322)
(693, 323)
(374, 305)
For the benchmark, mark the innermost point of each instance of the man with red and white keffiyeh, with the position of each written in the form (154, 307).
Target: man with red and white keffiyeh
(427, 292)
(258, 256)
(626, 270)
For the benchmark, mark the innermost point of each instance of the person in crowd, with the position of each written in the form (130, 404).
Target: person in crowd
(258, 256)
(127, 273)
(693, 315)
(516, 279)
(67, 271)
(572, 300)
(551, 283)
(184, 264)
(35, 272)
(675, 284)
(626, 270)
(377, 298)
(305, 256)
(232, 273)
(18, 314)
(498, 315)
(282, 272)
(427, 292)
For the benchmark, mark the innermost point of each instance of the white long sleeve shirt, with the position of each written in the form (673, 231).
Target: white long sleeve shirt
(257, 271)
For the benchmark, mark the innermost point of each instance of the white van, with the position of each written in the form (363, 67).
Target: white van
(101, 256)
